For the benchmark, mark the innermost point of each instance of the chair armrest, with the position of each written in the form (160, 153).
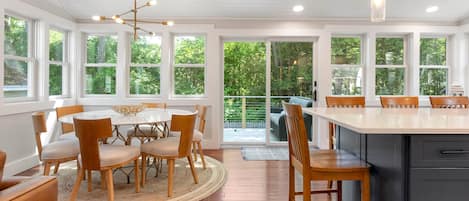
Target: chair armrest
(38, 189)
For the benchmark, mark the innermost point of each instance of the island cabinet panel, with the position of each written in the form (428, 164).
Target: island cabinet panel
(433, 184)
(409, 167)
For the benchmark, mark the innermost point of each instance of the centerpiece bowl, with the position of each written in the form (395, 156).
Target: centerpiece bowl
(128, 110)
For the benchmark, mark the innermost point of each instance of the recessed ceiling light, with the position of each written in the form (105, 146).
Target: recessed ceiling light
(298, 8)
(432, 9)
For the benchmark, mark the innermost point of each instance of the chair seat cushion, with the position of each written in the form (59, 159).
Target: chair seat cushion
(163, 147)
(111, 155)
(198, 136)
(335, 160)
(68, 136)
(60, 149)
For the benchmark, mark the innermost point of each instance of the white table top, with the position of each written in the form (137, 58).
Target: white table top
(397, 121)
(148, 116)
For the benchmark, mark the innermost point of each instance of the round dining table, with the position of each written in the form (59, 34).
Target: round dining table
(149, 116)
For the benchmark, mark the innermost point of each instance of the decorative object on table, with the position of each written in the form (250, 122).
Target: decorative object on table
(128, 110)
(132, 22)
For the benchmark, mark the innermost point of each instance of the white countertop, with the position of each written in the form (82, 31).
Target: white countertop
(397, 121)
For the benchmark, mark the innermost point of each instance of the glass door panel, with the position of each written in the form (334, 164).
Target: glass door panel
(291, 80)
(244, 92)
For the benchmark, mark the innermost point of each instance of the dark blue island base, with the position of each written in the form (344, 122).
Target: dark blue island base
(418, 167)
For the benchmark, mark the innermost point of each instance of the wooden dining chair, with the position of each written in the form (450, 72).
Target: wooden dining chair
(147, 132)
(449, 101)
(172, 148)
(399, 101)
(319, 165)
(342, 102)
(68, 133)
(199, 133)
(103, 158)
(56, 152)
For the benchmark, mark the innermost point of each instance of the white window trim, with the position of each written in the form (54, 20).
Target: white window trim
(139, 65)
(96, 65)
(361, 65)
(173, 66)
(447, 66)
(65, 63)
(405, 65)
(30, 59)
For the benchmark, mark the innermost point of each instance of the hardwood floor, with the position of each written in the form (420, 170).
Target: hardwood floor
(248, 180)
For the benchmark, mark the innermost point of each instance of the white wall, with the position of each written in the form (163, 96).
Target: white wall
(15, 119)
(16, 135)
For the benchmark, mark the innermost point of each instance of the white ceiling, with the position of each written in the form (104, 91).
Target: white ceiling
(406, 10)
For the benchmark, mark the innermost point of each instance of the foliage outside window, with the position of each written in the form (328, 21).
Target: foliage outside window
(346, 66)
(58, 65)
(100, 69)
(189, 65)
(18, 61)
(390, 66)
(145, 65)
(433, 66)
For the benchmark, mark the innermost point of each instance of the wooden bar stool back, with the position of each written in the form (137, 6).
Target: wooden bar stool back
(342, 102)
(319, 164)
(449, 101)
(399, 101)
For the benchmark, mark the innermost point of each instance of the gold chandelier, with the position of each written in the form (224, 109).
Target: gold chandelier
(132, 22)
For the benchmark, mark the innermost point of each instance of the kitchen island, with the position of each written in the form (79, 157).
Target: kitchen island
(416, 154)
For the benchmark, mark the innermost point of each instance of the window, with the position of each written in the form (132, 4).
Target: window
(58, 64)
(433, 66)
(189, 65)
(145, 65)
(100, 67)
(347, 66)
(18, 59)
(390, 66)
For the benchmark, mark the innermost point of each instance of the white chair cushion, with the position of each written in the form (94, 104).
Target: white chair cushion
(111, 155)
(197, 136)
(163, 147)
(60, 149)
(68, 136)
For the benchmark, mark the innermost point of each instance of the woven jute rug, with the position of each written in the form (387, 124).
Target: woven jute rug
(210, 180)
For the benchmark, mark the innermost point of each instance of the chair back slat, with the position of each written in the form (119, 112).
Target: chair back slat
(66, 110)
(184, 124)
(449, 101)
(39, 124)
(201, 112)
(155, 105)
(296, 131)
(399, 101)
(88, 133)
(345, 102)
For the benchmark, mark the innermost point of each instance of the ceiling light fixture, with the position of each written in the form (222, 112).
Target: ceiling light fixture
(132, 22)
(378, 10)
(298, 8)
(432, 9)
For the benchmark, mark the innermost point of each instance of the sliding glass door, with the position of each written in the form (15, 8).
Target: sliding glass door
(258, 76)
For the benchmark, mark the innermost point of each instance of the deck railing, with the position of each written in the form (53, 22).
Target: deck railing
(248, 111)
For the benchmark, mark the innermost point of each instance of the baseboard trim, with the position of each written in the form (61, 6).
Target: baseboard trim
(20, 165)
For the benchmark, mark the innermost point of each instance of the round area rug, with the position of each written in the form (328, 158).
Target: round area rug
(210, 180)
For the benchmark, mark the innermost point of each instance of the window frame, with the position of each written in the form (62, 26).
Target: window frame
(97, 65)
(447, 66)
(405, 64)
(65, 63)
(130, 65)
(30, 59)
(361, 66)
(173, 66)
